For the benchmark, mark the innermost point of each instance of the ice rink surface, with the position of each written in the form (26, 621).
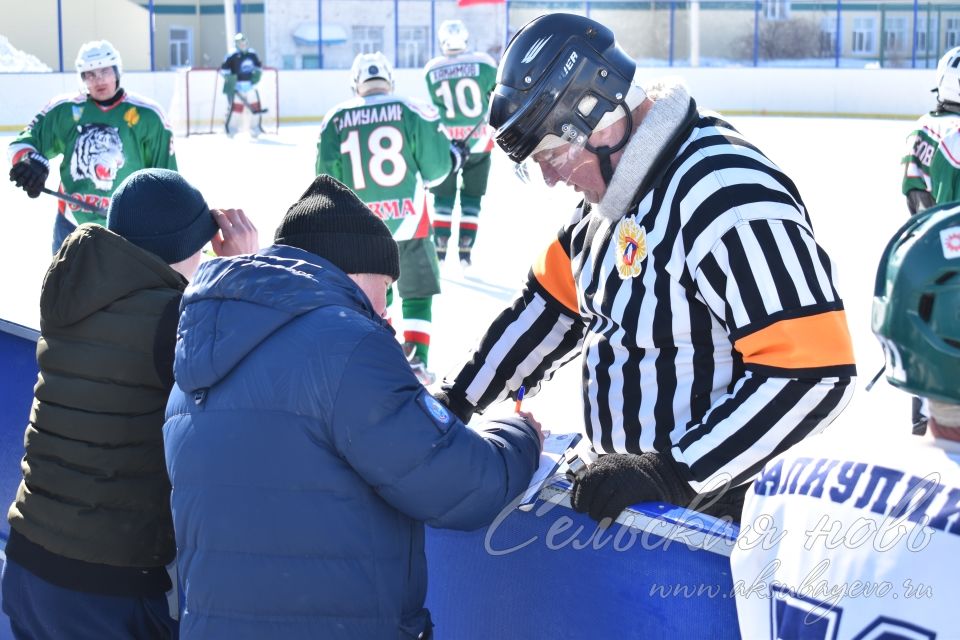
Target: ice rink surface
(847, 171)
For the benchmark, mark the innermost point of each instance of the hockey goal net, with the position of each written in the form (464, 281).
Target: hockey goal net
(200, 106)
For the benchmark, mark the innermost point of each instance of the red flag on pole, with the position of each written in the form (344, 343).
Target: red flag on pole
(467, 3)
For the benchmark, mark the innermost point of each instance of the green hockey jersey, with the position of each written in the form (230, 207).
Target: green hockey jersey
(389, 150)
(944, 170)
(460, 86)
(100, 146)
(922, 145)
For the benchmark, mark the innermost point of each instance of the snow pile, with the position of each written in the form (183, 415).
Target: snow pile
(12, 60)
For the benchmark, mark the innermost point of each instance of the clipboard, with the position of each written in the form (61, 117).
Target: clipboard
(554, 446)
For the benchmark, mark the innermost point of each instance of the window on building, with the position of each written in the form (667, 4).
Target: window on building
(863, 38)
(895, 34)
(951, 34)
(776, 9)
(926, 33)
(414, 46)
(828, 36)
(181, 46)
(367, 39)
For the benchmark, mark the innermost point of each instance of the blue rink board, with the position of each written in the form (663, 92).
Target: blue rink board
(18, 375)
(571, 580)
(562, 579)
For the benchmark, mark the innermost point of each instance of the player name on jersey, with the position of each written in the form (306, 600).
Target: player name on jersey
(393, 209)
(879, 489)
(100, 202)
(461, 133)
(370, 115)
(460, 70)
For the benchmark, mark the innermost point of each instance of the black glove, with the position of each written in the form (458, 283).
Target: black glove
(459, 152)
(461, 407)
(30, 174)
(619, 480)
(918, 200)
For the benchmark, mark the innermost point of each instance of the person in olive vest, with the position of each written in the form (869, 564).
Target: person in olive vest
(90, 527)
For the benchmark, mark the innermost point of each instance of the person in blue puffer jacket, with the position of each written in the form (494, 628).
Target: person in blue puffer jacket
(304, 455)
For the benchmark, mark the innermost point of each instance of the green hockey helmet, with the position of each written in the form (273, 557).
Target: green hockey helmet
(916, 305)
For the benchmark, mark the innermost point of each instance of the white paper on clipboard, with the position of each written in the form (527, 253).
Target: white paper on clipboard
(551, 458)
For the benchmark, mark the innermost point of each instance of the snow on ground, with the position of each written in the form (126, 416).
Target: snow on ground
(847, 171)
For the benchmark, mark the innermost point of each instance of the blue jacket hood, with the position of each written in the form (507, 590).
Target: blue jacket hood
(234, 304)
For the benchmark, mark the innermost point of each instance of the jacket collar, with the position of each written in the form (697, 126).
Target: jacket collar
(669, 116)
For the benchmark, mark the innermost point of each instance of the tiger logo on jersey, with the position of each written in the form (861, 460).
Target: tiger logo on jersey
(631, 240)
(97, 155)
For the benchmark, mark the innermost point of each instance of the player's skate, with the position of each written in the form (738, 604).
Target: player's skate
(465, 250)
(441, 243)
(424, 375)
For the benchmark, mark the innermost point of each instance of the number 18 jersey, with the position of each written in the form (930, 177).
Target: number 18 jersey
(387, 149)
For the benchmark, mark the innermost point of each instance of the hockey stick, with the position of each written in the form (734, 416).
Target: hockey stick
(474, 130)
(247, 105)
(86, 206)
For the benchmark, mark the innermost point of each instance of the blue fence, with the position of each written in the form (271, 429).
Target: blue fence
(329, 33)
(551, 573)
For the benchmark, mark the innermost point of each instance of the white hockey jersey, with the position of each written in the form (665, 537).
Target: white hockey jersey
(847, 538)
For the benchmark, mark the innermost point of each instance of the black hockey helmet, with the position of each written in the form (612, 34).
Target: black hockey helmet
(560, 73)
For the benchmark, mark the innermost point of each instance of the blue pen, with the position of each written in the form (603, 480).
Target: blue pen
(520, 393)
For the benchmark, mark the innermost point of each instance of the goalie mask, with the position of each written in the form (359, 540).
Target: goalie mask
(948, 77)
(915, 305)
(559, 75)
(453, 37)
(371, 72)
(97, 55)
(240, 41)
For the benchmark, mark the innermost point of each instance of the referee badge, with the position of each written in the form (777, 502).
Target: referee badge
(631, 247)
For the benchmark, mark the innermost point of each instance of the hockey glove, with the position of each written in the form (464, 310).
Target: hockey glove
(619, 480)
(463, 409)
(918, 200)
(30, 174)
(459, 152)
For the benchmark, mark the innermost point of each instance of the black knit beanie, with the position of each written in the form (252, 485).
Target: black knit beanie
(332, 222)
(159, 211)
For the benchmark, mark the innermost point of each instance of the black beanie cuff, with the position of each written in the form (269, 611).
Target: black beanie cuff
(330, 221)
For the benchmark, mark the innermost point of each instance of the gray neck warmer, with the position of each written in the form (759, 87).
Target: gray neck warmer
(659, 126)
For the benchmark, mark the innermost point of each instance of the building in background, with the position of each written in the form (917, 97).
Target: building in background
(404, 30)
(288, 33)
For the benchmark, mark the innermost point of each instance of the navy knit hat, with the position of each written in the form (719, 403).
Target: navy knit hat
(159, 211)
(330, 221)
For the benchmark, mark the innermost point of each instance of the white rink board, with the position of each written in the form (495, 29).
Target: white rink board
(847, 171)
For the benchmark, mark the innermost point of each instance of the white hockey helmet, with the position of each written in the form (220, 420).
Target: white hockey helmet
(371, 72)
(948, 77)
(453, 36)
(97, 55)
(240, 40)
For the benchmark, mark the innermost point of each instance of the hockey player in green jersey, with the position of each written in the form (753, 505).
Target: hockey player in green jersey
(460, 83)
(104, 134)
(389, 150)
(924, 140)
(932, 167)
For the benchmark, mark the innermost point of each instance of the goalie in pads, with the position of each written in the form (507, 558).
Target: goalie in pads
(241, 72)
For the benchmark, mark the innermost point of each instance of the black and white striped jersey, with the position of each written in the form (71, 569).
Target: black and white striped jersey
(707, 321)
